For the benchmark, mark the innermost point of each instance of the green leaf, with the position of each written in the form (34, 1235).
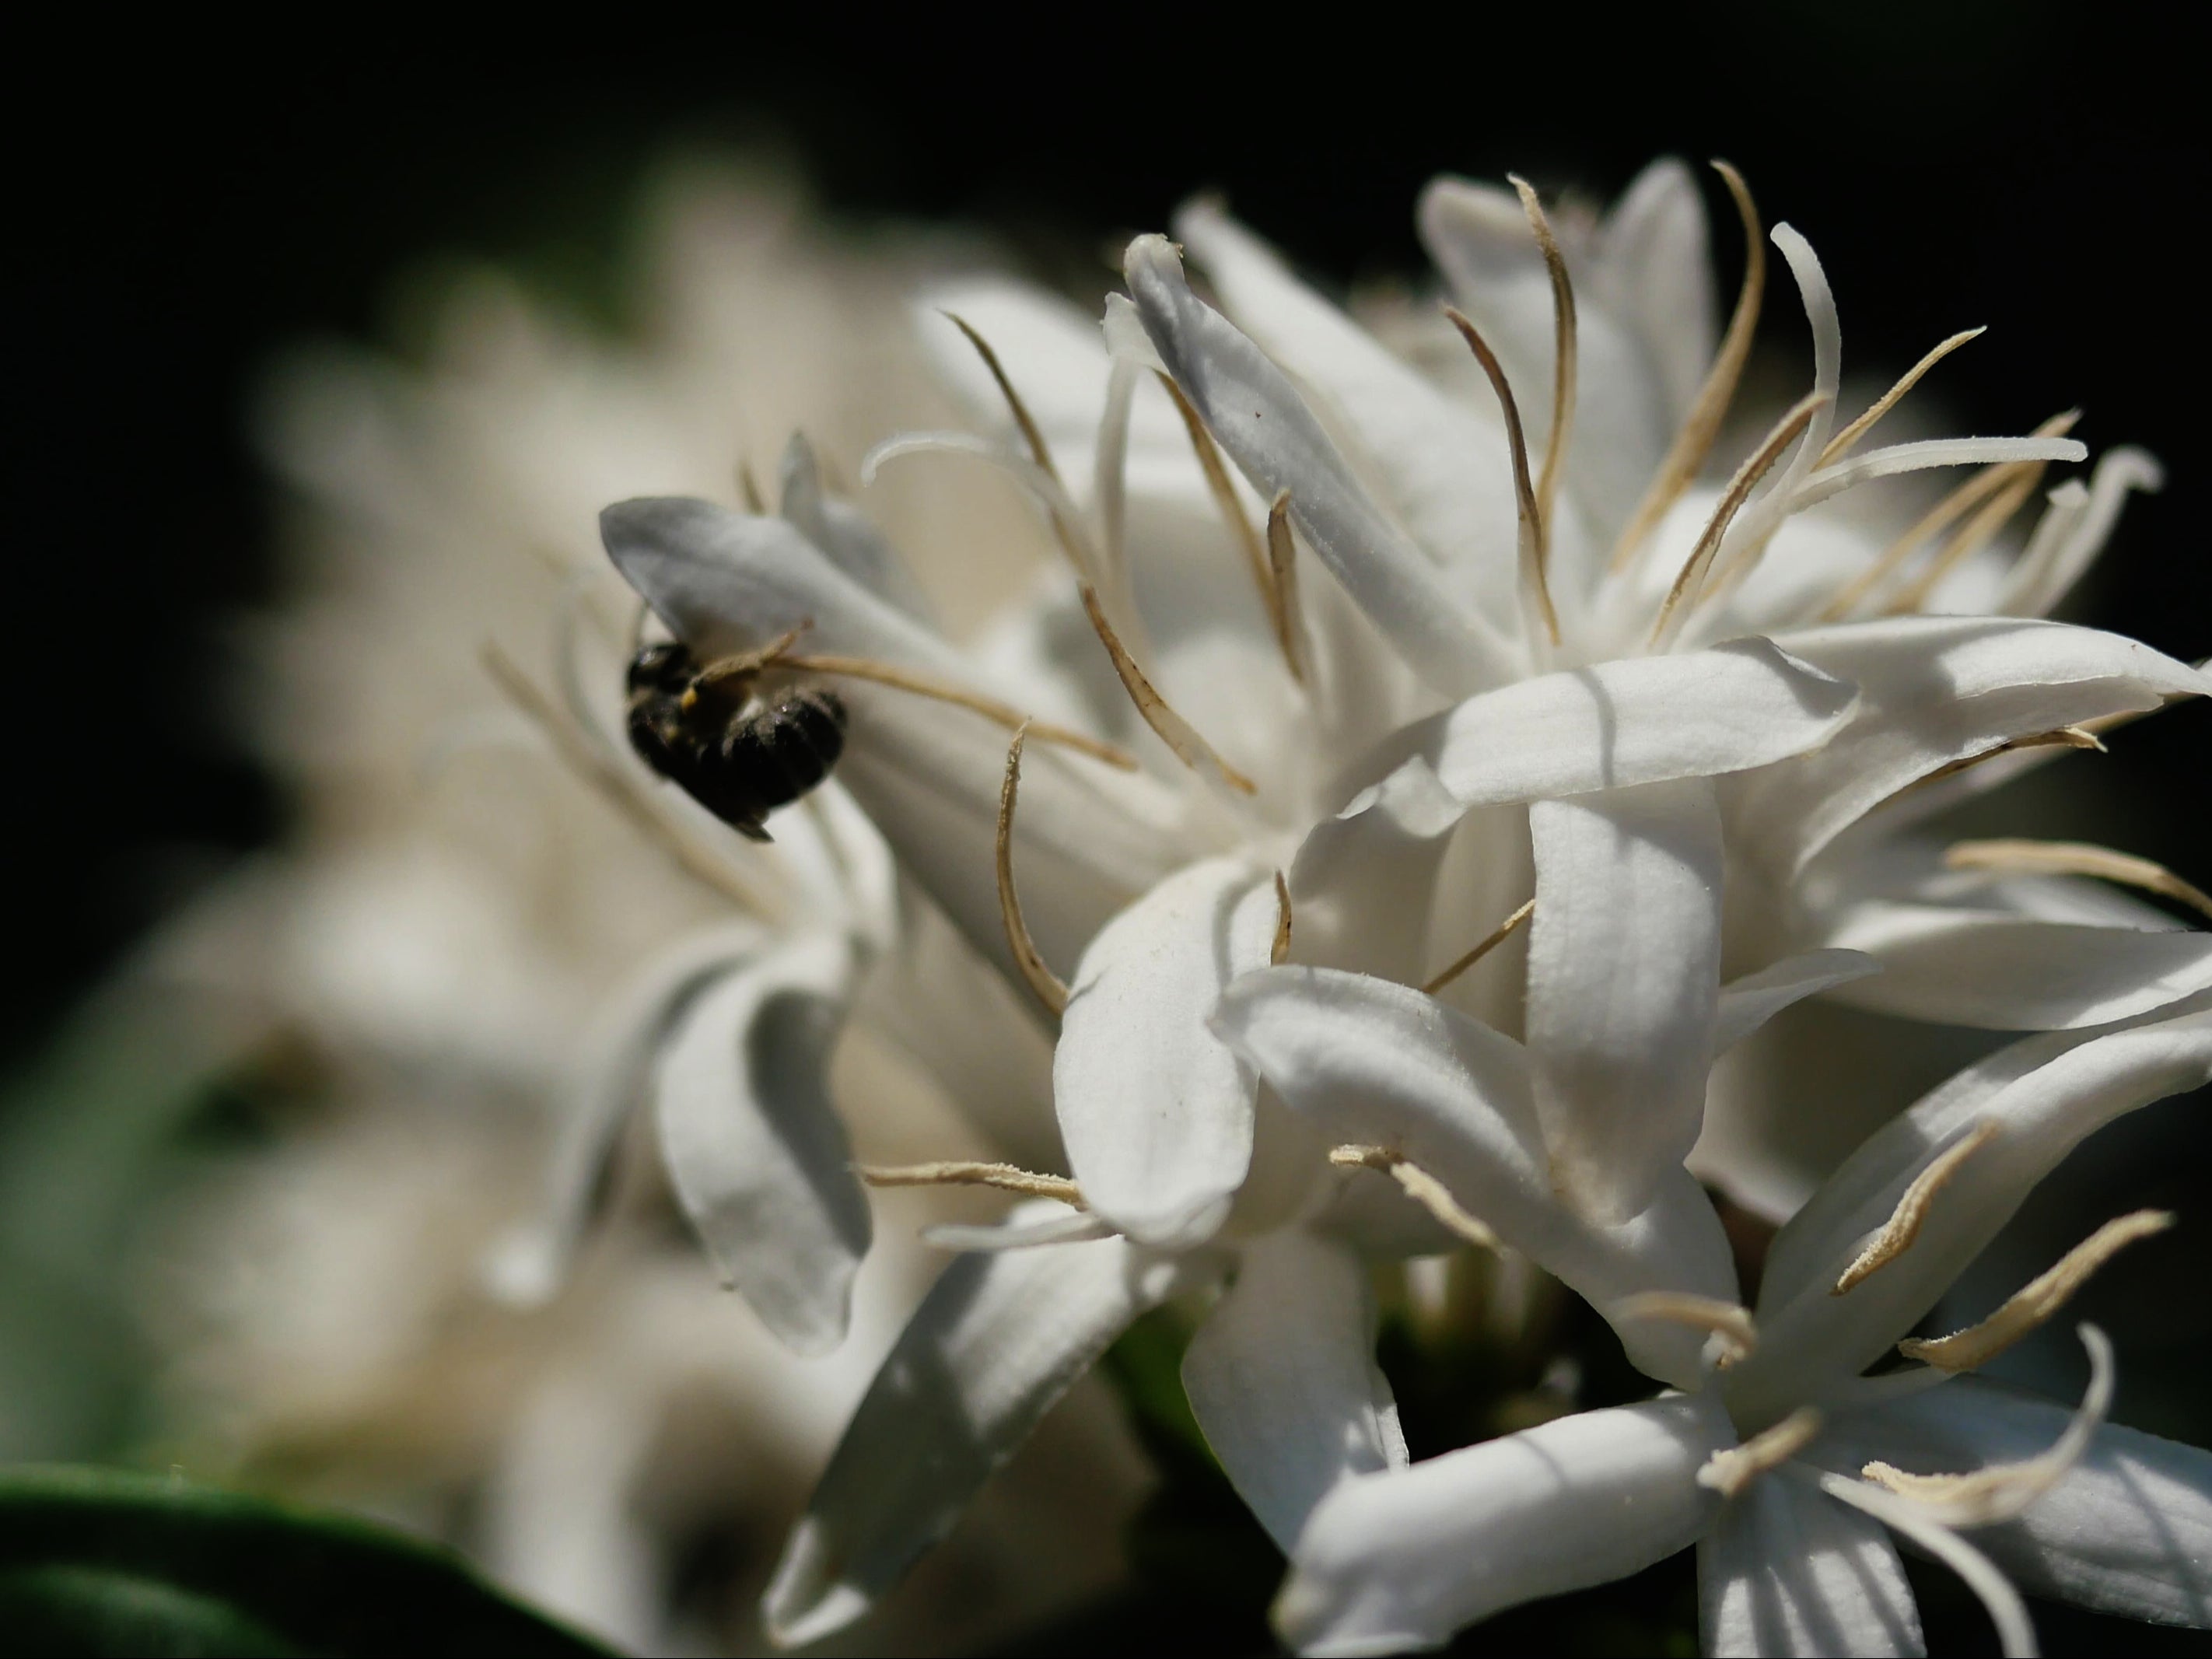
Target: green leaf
(100, 1561)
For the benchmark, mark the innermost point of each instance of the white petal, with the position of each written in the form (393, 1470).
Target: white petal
(1375, 1063)
(1929, 453)
(1087, 839)
(2010, 973)
(1624, 972)
(1032, 1225)
(2044, 1095)
(1654, 270)
(1786, 1569)
(1748, 1002)
(2127, 1530)
(1935, 690)
(1634, 720)
(754, 1149)
(1252, 411)
(1361, 885)
(1283, 1380)
(529, 1266)
(997, 1340)
(1447, 472)
(1402, 1560)
(1155, 1112)
(843, 531)
(2072, 533)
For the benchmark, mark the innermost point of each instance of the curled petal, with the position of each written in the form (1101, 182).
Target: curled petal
(1283, 1380)
(1402, 1560)
(1155, 1112)
(1748, 1002)
(1787, 1570)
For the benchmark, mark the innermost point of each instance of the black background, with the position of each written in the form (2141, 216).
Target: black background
(183, 208)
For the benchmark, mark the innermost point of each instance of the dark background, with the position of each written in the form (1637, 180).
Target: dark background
(180, 215)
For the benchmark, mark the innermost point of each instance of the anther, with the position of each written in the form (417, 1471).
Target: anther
(1694, 442)
(1729, 1472)
(1280, 951)
(1564, 348)
(1178, 733)
(2071, 858)
(1905, 1221)
(1535, 554)
(1496, 937)
(1728, 1320)
(2037, 1301)
(1786, 432)
(1224, 493)
(959, 1173)
(749, 489)
(2083, 736)
(1040, 452)
(1423, 1188)
(1049, 988)
(1283, 591)
(1840, 445)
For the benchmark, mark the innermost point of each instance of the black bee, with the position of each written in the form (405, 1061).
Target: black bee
(739, 759)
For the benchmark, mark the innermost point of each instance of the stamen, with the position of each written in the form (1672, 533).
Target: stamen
(1904, 1225)
(1174, 730)
(906, 679)
(1048, 986)
(1967, 495)
(960, 1173)
(1535, 552)
(1755, 467)
(1497, 936)
(1840, 445)
(1729, 1472)
(1694, 442)
(1728, 1320)
(619, 788)
(749, 489)
(1039, 451)
(1564, 347)
(1423, 1188)
(2034, 1302)
(1973, 536)
(2083, 736)
(1280, 951)
(1282, 565)
(2002, 1491)
(746, 666)
(1225, 493)
(2015, 1632)
(2074, 858)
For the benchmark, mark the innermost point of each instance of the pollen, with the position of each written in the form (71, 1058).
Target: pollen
(1905, 1223)
(1728, 1472)
(2037, 1301)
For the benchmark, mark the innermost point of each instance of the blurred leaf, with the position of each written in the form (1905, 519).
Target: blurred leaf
(99, 1561)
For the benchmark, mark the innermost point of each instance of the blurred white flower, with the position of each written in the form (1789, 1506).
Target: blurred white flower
(484, 960)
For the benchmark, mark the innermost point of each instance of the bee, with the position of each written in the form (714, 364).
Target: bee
(738, 757)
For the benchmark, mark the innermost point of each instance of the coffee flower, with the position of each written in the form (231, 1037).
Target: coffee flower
(1781, 1460)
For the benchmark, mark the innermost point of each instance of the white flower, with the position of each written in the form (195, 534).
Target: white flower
(1760, 1460)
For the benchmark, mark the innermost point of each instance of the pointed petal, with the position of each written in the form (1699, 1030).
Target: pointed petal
(1362, 884)
(1654, 270)
(755, 1150)
(1375, 1063)
(1448, 471)
(1624, 973)
(1935, 690)
(2044, 1095)
(843, 531)
(1088, 839)
(1786, 1569)
(1402, 1560)
(1155, 1112)
(1256, 417)
(2011, 973)
(1283, 1380)
(1748, 1002)
(2127, 1530)
(529, 1266)
(1634, 720)
(997, 1340)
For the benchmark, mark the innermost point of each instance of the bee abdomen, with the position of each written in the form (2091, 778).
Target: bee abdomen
(789, 747)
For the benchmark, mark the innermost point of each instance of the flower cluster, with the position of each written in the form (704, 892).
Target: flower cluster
(1419, 772)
